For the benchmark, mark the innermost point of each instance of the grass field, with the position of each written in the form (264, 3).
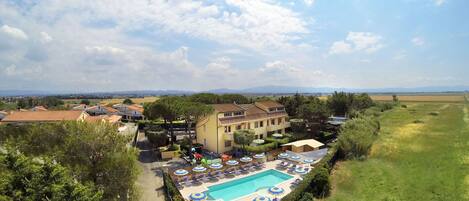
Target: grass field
(148, 99)
(412, 161)
(421, 98)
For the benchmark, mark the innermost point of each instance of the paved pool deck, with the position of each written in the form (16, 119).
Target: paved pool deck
(187, 190)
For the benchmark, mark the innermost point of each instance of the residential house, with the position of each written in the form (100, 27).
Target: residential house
(44, 116)
(3, 114)
(81, 107)
(113, 119)
(130, 112)
(101, 110)
(215, 131)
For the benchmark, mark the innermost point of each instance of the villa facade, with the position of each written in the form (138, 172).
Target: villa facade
(216, 130)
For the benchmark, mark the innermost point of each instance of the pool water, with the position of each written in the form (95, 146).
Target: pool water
(240, 187)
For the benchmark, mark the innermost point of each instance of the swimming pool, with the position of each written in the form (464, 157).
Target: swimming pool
(240, 187)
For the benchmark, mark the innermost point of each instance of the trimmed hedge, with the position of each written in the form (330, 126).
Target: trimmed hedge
(310, 179)
(172, 193)
(262, 148)
(277, 140)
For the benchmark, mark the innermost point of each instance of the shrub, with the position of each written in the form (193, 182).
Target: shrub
(418, 121)
(320, 184)
(158, 139)
(262, 148)
(277, 140)
(171, 189)
(357, 135)
(307, 197)
(404, 106)
(434, 113)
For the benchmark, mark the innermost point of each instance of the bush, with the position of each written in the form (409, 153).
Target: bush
(158, 139)
(320, 184)
(262, 148)
(418, 121)
(357, 135)
(171, 189)
(434, 113)
(307, 197)
(404, 106)
(280, 141)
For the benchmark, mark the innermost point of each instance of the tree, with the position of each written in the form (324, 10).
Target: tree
(95, 152)
(362, 101)
(307, 197)
(169, 108)
(85, 102)
(207, 98)
(191, 113)
(128, 101)
(315, 111)
(395, 99)
(339, 103)
(25, 178)
(243, 137)
(157, 138)
(357, 135)
(234, 98)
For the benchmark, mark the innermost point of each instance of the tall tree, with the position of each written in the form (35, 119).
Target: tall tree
(339, 103)
(85, 102)
(234, 98)
(314, 112)
(243, 138)
(207, 98)
(192, 112)
(169, 108)
(26, 178)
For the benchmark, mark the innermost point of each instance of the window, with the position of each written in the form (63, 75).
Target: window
(279, 121)
(227, 114)
(280, 109)
(238, 127)
(272, 109)
(238, 113)
(272, 121)
(228, 143)
(227, 129)
(249, 125)
(256, 124)
(261, 124)
(261, 136)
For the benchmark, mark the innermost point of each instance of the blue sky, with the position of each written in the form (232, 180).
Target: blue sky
(199, 45)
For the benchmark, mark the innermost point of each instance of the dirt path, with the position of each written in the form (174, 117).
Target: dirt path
(150, 181)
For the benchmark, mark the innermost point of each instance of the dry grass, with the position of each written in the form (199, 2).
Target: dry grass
(135, 100)
(421, 98)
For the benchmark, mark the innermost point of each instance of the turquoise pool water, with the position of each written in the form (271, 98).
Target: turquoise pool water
(240, 187)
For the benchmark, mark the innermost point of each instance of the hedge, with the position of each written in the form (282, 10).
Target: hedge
(172, 193)
(261, 148)
(327, 163)
(278, 140)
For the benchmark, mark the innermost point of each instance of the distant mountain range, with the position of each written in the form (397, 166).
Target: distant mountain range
(252, 90)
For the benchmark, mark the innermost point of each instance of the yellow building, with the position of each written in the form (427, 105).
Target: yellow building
(265, 118)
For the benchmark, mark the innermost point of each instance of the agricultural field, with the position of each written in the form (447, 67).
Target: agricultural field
(148, 99)
(422, 153)
(422, 98)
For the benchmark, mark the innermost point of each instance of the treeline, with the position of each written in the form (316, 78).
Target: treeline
(48, 101)
(209, 98)
(93, 155)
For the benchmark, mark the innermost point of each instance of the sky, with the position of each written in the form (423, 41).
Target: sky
(115, 45)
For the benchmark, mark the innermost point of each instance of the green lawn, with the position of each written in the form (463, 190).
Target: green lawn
(412, 161)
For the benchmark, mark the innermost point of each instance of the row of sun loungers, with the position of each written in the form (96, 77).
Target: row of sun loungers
(217, 174)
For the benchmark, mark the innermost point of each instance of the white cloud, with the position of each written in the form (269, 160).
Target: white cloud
(309, 2)
(45, 37)
(418, 41)
(14, 32)
(13, 70)
(439, 2)
(340, 47)
(104, 50)
(357, 41)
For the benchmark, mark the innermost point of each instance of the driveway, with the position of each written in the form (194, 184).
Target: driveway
(150, 180)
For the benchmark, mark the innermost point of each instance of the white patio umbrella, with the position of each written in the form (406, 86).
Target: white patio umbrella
(276, 190)
(232, 162)
(198, 196)
(245, 159)
(259, 156)
(295, 158)
(258, 141)
(283, 155)
(277, 135)
(261, 198)
(300, 171)
(181, 172)
(308, 161)
(216, 166)
(199, 169)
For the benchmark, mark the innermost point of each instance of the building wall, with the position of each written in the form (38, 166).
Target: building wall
(208, 134)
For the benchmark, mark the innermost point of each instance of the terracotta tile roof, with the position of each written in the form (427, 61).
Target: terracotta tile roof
(136, 107)
(229, 107)
(108, 118)
(269, 104)
(43, 116)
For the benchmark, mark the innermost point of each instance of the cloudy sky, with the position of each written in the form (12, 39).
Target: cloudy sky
(89, 45)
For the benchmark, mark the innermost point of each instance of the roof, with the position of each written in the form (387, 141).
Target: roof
(229, 107)
(269, 104)
(310, 142)
(43, 116)
(106, 118)
(109, 109)
(136, 107)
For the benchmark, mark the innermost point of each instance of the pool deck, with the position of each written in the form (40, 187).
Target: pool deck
(187, 190)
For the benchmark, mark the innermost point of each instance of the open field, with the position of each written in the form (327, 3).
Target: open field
(412, 161)
(421, 98)
(148, 99)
